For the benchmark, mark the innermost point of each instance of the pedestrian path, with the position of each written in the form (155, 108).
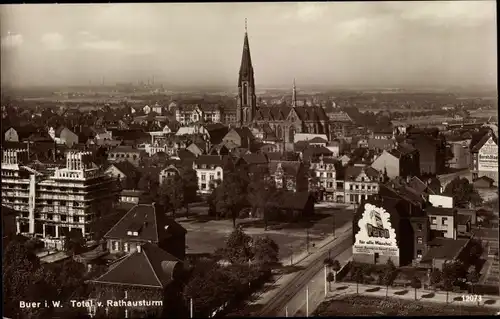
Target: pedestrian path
(342, 289)
(301, 260)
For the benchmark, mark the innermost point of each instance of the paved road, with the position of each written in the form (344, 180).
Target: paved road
(297, 306)
(276, 305)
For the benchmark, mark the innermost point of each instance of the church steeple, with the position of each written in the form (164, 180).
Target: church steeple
(246, 86)
(294, 95)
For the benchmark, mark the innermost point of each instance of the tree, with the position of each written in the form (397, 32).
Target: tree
(335, 267)
(358, 275)
(211, 201)
(261, 194)
(171, 194)
(238, 248)
(388, 275)
(265, 251)
(473, 278)
(190, 186)
(436, 277)
(463, 193)
(74, 242)
(416, 284)
(230, 196)
(449, 275)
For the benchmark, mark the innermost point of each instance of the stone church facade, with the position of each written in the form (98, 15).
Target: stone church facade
(283, 120)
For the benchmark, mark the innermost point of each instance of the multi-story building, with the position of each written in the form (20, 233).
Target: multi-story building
(460, 148)
(193, 113)
(289, 175)
(52, 203)
(361, 181)
(125, 153)
(485, 157)
(443, 221)
(432, 152)
(402, 161)
(326, 175)
(210, 169)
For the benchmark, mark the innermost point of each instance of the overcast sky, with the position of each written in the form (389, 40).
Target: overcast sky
(365, 43)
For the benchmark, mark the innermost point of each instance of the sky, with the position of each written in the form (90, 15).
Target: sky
(381, 44)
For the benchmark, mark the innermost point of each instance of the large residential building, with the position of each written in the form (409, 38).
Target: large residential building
(289, 175)
(53, 202)
(210, 169)
(195, 113)
(432, 152)
(360, 181)
(460, 148)
(326, 175)
(402, 161)
(485, 157)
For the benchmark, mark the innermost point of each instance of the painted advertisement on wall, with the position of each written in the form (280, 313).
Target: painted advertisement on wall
(376, 234)
(488, 156)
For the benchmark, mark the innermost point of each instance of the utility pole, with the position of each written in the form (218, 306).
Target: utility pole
(307, 240)
(291, 255)
(307, 301)
(326, 284)
(191, 307)
(286, 311)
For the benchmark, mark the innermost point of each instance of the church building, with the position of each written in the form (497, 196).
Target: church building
(284, 121)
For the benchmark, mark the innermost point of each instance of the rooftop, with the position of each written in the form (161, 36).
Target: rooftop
(440, 211)
(444, 248)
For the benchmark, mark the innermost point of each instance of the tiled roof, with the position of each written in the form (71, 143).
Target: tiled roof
(293, 200)
(440, 211)
(151, 267)
(126, 168)
(417, 184)
(444, 248)
(380, 143)
(352, 172)
(209, 160)
(289, 167)
(150, 223)
(476, 147)
(317, 139)
(255, 158)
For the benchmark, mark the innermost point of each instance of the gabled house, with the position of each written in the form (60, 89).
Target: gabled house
(289, 175)
(484, 152)
(360, 181)
(146, 282)
(125, 172)
(401, 161)
(146, 223)
(197, 148)
(326, 177)
(241, 137)
(210, 169)
(63, 135)
(125, 153)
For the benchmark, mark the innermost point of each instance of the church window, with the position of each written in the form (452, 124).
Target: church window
(245, 94)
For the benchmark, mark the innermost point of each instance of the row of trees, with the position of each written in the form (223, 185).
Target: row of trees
(242, 265)
(447, 279)
(240, 190)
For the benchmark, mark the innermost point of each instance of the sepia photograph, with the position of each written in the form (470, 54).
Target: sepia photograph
(260, 159)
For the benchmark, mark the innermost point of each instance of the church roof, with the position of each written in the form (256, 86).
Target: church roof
(246, 68)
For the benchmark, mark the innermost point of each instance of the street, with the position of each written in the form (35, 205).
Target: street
(295, 288)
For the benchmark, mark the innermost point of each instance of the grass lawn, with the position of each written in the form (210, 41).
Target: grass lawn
(205, 234)
(367, 305)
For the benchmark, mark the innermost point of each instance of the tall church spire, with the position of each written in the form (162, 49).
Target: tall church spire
(294, 94)
(246, 86)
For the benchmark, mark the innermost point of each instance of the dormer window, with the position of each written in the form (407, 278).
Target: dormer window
(132, 233)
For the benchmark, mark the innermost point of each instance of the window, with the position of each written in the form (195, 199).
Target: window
(203, 185)
(433, 220)
(203, 177)
(218, 174)
(444, 221)
(125, 247)
(115, 245)
(420, 240)
(419, 226)
(350, 187)
(212, 177)
(419, 253)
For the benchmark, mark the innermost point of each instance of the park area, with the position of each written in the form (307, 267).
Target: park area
(205, 234)
(362, 305)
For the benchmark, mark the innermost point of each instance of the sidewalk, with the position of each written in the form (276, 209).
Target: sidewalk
(422, 295)
(301, 259)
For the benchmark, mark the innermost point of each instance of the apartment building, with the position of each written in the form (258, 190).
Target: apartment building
(53, 202)
(361, 181)
(210, 169)
(324, 170)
